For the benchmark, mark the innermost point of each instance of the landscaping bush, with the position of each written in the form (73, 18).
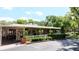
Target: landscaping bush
(72, 35)
(58, 35)
(39, 38)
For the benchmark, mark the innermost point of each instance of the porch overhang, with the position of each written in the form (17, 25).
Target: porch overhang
(30, 26)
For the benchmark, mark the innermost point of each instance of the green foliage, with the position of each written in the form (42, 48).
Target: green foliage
(56, 21)
(51, 20)
(75, 13)
(25, 32)
(62, 21)
(30, 21)
(41, 23)
(21, 21)
(39, 38)
(74, 24)
(58, 35)
(72, 35)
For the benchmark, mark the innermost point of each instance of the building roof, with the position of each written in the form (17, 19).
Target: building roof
(30, 26)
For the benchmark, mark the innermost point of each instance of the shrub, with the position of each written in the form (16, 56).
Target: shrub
(39, 38)
(73, 35)
(58, 35)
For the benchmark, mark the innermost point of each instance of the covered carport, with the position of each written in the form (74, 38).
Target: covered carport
(12, 33)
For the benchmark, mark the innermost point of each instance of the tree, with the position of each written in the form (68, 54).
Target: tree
(74, 25)
(62, 21)
(75, 13)
(50, 20)
(21, 21)
(30, 21)
(57, 21)
(41, 23)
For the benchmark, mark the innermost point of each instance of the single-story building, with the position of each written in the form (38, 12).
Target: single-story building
(13, 32)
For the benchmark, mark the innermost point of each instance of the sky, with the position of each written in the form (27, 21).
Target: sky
(35, 13)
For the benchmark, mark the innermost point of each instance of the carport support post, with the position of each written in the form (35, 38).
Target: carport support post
(0, 36)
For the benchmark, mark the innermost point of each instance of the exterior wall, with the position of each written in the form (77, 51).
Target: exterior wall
(0, 35)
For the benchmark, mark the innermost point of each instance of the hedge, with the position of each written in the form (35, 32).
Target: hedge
(40, 38)
(58, 35)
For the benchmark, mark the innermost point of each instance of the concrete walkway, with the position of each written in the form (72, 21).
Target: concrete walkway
(10, 46)
(40, 46)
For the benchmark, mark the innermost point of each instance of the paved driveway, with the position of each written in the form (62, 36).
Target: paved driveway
(41, 46)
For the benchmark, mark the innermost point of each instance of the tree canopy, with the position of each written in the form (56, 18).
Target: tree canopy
(21, 21)
(75, 13)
